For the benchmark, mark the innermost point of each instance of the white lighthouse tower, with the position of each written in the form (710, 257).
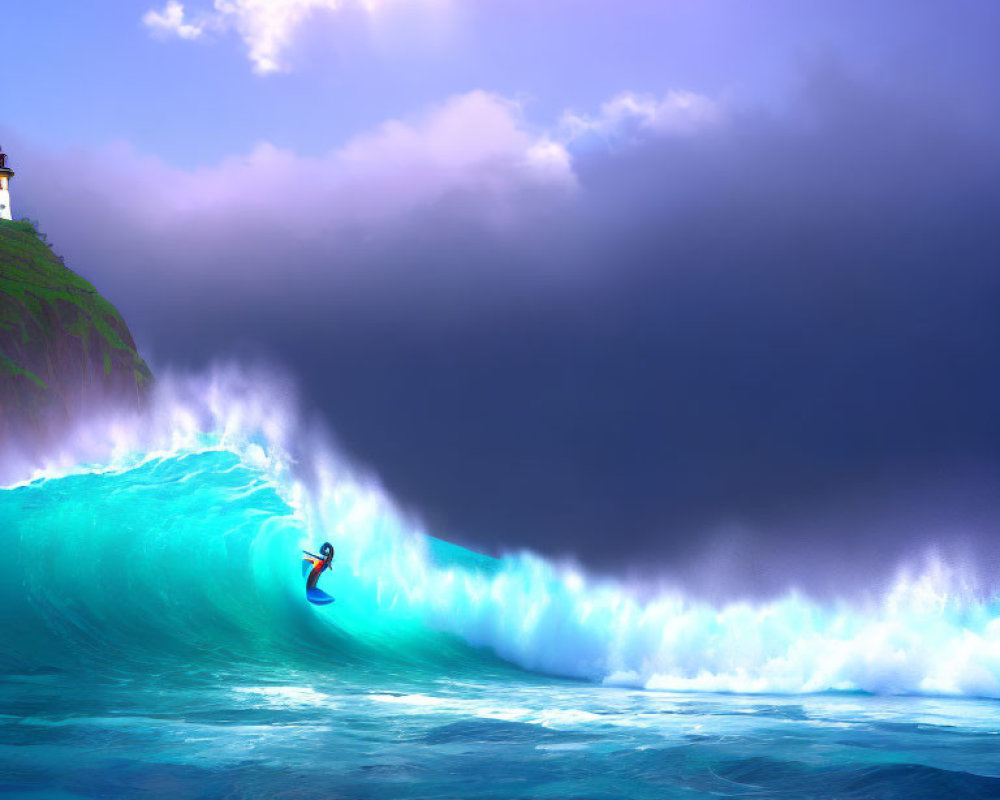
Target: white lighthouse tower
(6, 173)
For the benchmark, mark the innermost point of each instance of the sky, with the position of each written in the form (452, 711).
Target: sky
(701, 293)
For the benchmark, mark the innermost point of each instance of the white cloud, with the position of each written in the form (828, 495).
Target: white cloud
(170, 22)
(267, 27)
(472, 155)
(474, 146)
(678, 112)
(467, 130)
(474, 151)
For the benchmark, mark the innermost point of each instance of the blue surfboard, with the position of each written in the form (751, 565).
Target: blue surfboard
(318, 596)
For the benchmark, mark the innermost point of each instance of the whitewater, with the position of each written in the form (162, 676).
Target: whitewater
(156, 642)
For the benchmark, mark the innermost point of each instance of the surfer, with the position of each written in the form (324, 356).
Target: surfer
(319, 564)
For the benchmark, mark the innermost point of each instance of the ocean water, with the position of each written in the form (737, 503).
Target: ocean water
(155, 641)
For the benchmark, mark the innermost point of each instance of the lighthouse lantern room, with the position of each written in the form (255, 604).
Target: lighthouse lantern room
(6, 173)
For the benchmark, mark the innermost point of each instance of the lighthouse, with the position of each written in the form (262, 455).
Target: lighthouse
(6, 173)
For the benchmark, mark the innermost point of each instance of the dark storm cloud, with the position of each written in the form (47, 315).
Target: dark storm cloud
(758, 354)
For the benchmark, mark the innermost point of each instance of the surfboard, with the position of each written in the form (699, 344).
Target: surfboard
(318, 596)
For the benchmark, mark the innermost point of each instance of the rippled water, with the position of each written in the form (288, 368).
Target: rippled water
(310, 736)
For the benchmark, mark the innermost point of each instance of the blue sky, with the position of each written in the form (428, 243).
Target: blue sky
(636, 282)
(89, 74)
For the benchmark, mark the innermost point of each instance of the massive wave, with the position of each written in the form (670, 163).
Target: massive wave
(171, 537)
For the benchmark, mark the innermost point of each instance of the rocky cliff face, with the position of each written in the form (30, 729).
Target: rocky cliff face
(63, 347)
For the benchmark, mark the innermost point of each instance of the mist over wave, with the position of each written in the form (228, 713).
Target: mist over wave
(173, 536)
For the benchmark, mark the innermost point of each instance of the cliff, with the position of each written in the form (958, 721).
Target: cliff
(63, 347)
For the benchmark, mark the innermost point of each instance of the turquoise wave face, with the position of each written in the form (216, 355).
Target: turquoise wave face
(190, 559)
(195, 559)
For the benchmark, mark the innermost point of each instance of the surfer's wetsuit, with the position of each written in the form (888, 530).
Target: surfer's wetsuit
(319, 563)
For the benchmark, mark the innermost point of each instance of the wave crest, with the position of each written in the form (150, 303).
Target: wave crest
(176, 531)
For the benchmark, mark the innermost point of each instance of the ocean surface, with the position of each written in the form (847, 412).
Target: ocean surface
(155, 642)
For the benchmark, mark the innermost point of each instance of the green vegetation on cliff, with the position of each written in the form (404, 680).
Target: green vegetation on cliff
(61, 343)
